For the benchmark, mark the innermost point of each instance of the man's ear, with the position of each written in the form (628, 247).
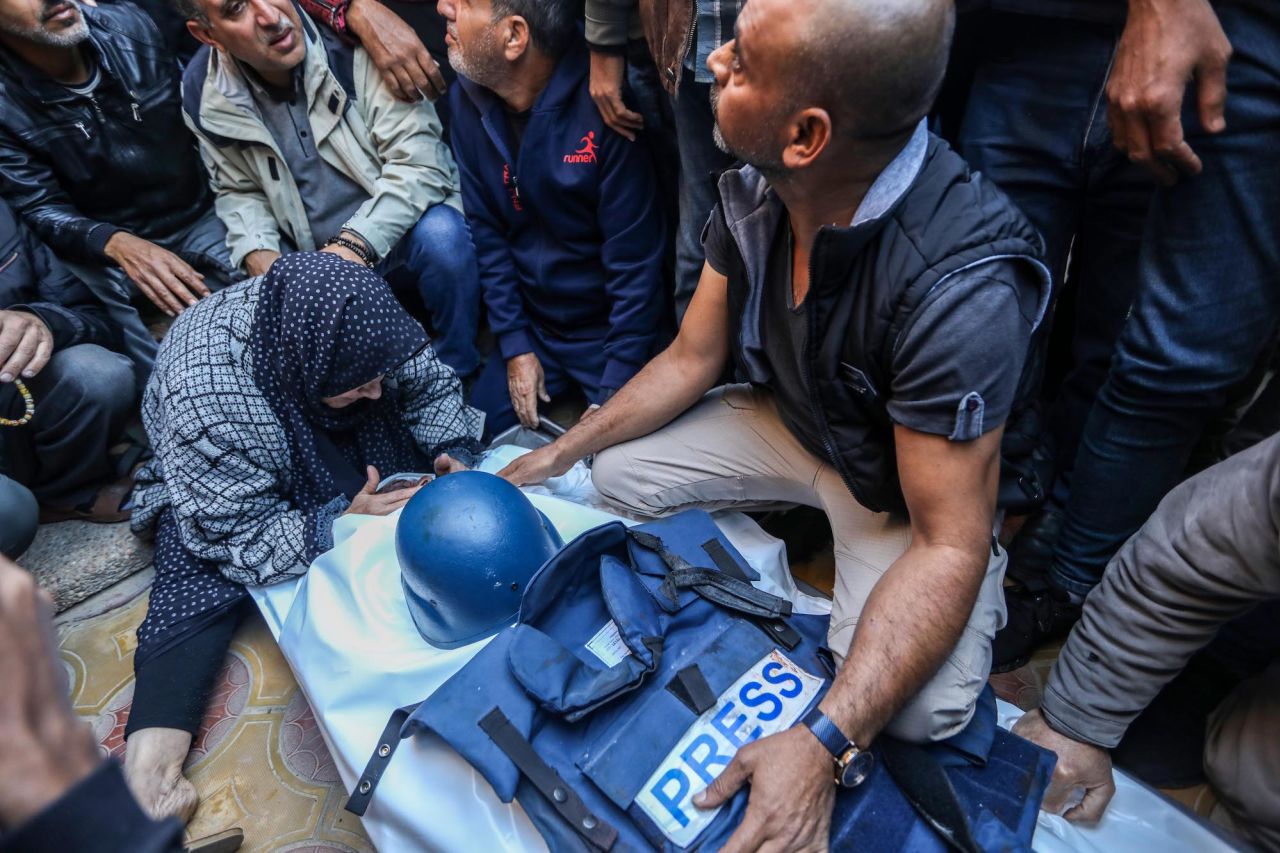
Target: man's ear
(201, 33)
(810, 135)
(515, 37)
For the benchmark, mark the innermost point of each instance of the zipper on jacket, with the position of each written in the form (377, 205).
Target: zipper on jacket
(828, 443)
(688, 39)
(133, 105)
(83, 130)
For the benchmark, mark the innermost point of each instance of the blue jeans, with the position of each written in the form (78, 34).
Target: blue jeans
(565, 364)
(439, 253)
(700, 162)
(1208, 304)
(1036, 124)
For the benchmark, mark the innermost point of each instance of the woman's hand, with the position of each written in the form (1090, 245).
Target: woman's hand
(446, 464)
(368, 502)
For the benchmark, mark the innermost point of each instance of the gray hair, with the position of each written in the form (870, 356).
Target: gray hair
(553, 24)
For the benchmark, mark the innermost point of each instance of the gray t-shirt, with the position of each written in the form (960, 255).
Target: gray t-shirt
(329, 197)
(956, 365)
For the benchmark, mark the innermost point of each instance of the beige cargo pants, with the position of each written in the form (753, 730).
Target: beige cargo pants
(731, 449)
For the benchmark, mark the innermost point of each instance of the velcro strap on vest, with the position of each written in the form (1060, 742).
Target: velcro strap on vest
(387, 743)
(549, 783)
(728, 588)
(925, 785)
(730, 593)
(690, 686)
(724, 560)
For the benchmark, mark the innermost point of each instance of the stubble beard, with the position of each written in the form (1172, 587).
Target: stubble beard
(479, 65)
(752, 151)
(69, 35)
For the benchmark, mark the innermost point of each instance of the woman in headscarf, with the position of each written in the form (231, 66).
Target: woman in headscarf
(273, 406)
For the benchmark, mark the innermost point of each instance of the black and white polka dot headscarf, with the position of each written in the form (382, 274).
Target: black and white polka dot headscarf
(325, 326)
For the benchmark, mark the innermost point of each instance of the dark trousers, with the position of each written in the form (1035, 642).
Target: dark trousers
(1207, 307)
(1035, 123)
(203, 245)
(83, 398)
(700, 162)
(192, 613)
(172, 689)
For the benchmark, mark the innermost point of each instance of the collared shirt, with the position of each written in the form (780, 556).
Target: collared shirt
(329, 197)
(713, 26)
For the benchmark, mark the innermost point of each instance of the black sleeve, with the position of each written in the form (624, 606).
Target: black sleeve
(65, 303)
(716, 241)
(957, 364)
(98, 815)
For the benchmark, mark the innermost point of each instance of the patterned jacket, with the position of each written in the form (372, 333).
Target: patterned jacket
(222, 461)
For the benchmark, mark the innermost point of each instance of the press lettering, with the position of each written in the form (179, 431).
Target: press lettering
(752, 696)
(712, 758)
(730, 730)
(672, 803)
(776, 673)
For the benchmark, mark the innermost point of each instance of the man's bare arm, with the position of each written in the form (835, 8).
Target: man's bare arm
(916, 613)
(911, 622)
(667, 386)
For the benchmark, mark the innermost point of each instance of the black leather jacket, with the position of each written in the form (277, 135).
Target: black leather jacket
(79, 168)
(32, 279)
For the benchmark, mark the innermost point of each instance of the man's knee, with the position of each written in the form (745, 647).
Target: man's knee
(19, 517)
(91, 376)
(443, 235)
(612, 476)
(944, 704)
(1241, 754)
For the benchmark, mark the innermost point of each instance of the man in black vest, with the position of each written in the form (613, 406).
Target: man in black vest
(880, 300)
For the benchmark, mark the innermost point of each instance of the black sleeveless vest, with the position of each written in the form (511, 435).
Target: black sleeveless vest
(865, 282)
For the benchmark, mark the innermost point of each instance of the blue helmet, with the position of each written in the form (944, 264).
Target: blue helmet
(468, 544)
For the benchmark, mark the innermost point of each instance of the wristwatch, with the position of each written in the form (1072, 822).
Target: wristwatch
(853, 765)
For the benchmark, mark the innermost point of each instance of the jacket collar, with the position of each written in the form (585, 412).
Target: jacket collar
(565, 84)
(744, 191)
(227, 106)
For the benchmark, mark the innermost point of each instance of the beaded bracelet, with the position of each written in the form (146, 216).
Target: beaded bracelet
(357, 247)
(30, 403)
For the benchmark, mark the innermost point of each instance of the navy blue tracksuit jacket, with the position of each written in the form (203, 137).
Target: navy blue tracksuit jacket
(567, 229)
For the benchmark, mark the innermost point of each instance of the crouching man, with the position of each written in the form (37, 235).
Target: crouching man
(565, 213)
(880, 298)
(308, 148)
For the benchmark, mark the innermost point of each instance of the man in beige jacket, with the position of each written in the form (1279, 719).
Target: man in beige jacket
(308, 149)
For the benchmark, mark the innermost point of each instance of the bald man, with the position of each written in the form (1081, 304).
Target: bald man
(880, 300)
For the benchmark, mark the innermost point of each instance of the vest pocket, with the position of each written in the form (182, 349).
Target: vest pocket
(617, 642)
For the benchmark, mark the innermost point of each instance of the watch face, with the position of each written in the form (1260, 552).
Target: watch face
(855, 771)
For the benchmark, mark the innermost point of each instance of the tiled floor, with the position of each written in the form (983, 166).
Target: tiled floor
(258, 761)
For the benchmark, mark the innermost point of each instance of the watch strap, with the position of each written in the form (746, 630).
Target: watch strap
(827, 733)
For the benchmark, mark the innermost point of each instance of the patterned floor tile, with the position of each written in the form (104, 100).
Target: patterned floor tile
(258, 761)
